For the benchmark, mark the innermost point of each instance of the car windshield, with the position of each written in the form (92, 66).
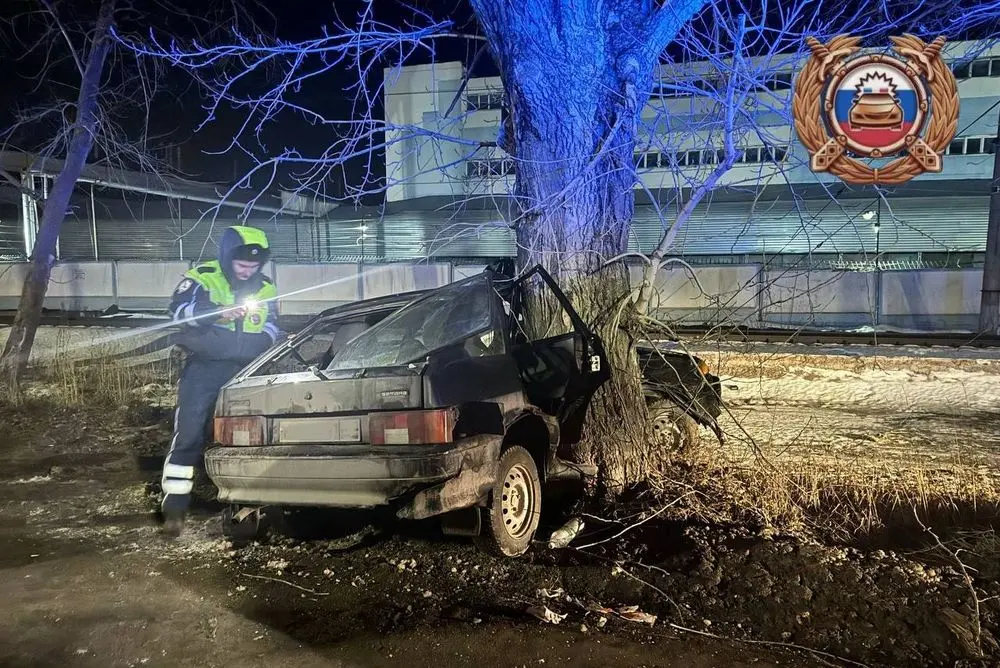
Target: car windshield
(442, 318)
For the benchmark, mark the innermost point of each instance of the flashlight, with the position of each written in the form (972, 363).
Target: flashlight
(250, 304)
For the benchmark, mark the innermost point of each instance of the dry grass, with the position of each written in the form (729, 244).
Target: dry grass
(827, 500)
(841, 476)
(65, 377)
(846, 502)
(849, 467)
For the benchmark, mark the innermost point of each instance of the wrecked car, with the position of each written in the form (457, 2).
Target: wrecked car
(443, 403)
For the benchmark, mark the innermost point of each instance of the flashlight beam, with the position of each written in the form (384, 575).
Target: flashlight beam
(170, 324)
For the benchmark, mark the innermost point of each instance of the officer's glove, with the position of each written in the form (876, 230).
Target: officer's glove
(233, 313)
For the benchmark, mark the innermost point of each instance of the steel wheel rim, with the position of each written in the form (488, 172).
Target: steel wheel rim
(667, 430)
(517, 501)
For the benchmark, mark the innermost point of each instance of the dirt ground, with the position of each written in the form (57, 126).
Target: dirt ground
(89, 582)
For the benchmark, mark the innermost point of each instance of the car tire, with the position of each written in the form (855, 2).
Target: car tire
(673, 428)
(511, 520)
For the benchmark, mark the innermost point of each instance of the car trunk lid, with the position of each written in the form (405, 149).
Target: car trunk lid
(305, 408)
(306, 393)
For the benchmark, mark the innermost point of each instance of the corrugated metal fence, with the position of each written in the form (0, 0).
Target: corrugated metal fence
(160, 230)
(749, 295)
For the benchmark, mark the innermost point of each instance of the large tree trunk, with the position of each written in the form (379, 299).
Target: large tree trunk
(572, 75)
(17, 350)
(576, 183)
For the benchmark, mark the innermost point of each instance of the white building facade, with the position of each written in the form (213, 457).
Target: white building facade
(769, 206)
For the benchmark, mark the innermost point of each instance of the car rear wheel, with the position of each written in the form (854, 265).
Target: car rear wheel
(510, 521)
(672, 427)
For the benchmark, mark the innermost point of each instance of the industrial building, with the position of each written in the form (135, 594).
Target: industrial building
(775, 243)
(446, 201)
(770, 207)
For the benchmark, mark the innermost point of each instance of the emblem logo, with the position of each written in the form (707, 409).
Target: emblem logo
(875, 106)
(255, 318)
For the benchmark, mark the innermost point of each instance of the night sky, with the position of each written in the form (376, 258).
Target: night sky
(178, 110)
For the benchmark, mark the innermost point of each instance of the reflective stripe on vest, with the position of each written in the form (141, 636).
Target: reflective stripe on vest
(221, 293)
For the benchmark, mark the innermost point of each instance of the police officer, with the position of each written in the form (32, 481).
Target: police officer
(228, 316)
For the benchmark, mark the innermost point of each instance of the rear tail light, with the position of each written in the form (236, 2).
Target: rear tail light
(411, 427)
(244, 430)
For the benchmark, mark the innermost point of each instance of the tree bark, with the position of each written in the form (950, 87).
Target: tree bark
(576, 75)
(17, 350)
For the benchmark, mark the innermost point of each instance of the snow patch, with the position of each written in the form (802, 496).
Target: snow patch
(30, 481)
(900, 390)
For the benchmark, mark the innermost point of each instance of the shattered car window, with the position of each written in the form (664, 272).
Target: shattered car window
(440, 319)
(317, 347)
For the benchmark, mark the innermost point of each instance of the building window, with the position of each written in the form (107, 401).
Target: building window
(755, 155)
(483, 101)
(490, 168)
(780, 81)
(663, 89)
(970, 146)
(775, 154)
(978, 68)
(715, 86)
(711, 85)
(711, 156)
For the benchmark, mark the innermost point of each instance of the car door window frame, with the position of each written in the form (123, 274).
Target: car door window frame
(594, 358)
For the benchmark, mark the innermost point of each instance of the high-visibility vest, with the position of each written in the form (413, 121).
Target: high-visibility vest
(209, 275)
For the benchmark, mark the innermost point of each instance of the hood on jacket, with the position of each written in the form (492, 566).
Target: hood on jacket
(242, 243)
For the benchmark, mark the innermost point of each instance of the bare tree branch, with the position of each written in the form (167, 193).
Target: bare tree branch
(668, 20)
(23, 189)
(54, 17)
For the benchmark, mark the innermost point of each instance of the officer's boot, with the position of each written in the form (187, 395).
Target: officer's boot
(174, 509)
(173, 525)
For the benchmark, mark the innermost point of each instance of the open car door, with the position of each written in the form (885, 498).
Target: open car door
(560, 360)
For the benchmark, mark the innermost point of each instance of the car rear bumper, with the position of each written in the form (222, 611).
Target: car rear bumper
(350, 476)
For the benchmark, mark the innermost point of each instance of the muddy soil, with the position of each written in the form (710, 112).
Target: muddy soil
(89, 582)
